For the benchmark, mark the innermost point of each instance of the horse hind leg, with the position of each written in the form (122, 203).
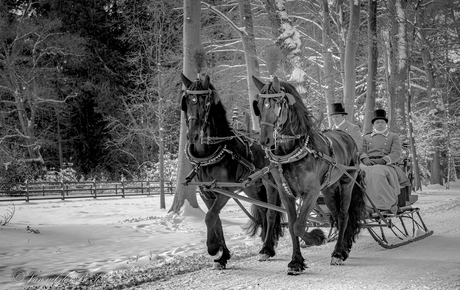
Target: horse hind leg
(355, 214)
(343, 246)
(260, 221)
(271, 232)
(267, 220)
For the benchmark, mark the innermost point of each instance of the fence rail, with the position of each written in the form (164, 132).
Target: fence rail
(69, 190)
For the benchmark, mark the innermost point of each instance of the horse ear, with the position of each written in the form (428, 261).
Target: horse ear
(206, 82)
(255, 108)
(291, 99)
(185, 81)
(276, 84)
(216, 97)
(259, 84)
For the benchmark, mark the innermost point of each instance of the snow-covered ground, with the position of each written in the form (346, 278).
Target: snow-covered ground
(84, 237)
(80, 238)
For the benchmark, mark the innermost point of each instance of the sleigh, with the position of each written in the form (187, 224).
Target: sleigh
(389, 230)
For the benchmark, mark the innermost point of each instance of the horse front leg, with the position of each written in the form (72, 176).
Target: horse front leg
(215, 241)
(297, 263)
(316, 237)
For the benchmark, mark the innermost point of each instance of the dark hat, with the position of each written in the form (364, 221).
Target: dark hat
(380, 114)
(337, 109)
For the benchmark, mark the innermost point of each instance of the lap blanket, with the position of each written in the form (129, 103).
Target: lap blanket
(383, 184)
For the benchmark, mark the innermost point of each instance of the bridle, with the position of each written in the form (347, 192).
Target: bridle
(194, 101)
(208, 140)
(282, 101)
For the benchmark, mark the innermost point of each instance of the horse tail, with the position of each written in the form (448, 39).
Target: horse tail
(256, 221)
(356, 211)
(259, 220)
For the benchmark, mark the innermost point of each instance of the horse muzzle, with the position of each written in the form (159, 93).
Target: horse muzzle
(193, 129)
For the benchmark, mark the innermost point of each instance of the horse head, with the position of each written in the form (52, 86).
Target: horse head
(196, 103)
(272, 108)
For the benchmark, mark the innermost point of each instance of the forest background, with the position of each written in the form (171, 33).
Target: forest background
(93, 86)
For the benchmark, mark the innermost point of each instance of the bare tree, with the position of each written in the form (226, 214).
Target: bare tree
(30, 60)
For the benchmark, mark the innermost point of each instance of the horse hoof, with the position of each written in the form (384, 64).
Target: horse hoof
(218, 266)
(303, 244)
(294, 272)
(263, 257)
(336, 261)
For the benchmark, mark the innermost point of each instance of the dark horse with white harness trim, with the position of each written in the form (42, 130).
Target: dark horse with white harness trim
(219, 154)
(308, 162)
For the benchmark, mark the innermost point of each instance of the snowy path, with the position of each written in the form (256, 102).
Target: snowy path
(433, 263)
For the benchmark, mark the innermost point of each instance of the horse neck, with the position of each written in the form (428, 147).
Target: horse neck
(203, 150)
(314, 142)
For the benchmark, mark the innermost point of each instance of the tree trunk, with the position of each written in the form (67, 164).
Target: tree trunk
(415, 167)
(252, 65)
(192, 40)
(398, 66)
(372, 66)
(328, 62)
(350, 59)
(432, 95)
(436, 162)
(342, 38)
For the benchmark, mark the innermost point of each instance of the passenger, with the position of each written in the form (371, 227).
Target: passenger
(340, 123)
(381, 153)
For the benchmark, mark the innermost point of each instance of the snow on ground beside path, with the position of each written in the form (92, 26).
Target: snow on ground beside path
(84, 237)
(97, 236)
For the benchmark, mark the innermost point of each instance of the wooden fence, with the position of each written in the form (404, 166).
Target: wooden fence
(91, 189)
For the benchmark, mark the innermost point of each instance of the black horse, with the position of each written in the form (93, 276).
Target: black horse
(218, 154)
(309, 162)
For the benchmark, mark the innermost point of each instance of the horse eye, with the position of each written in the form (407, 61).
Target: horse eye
(267, 105)
(194, 100)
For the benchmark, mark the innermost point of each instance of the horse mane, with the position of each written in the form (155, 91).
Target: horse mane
(300, 119)
(218, 122)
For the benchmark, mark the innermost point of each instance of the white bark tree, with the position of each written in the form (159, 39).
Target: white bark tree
(192, 41)
(372, 66)
(349, 85)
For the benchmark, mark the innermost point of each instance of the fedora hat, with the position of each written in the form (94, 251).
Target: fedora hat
(379, 114)
(337, 109)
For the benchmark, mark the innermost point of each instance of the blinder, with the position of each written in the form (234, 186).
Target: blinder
(282, 100)
(194, 97)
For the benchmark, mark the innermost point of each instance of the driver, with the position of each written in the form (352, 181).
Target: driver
(340, 123)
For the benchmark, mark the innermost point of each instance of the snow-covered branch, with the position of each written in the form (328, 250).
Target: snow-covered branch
(240, 30)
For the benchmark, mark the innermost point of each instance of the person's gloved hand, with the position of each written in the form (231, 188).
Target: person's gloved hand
(380, 161)
(366, 161)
